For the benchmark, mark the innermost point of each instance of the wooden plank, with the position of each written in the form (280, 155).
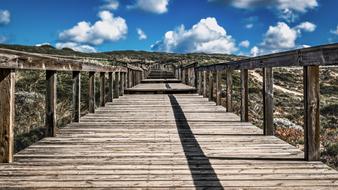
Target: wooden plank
(218, 87)
(244, 95)
(211, 86)
(110, 86)
(205, 89)
(200, 83)
(268, 101)
(76, 111)
(117, 85)
(102, 89)
(121, 84)
(7, 114)
(51, 80)
(91, 92)
(229, 90)
(311, 113)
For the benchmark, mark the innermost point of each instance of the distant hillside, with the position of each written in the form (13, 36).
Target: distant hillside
(130, 56)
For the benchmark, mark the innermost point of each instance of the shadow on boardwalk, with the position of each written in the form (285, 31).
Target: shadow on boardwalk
(201, 170)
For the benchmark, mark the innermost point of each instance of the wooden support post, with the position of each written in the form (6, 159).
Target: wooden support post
(121, 84)
(102, 89)
(116, 85)
(218, 87)
(76, 112)
(91, 93)
(110, 86)
(211, 86)
(268, 101)
(205, 84)
(51, 78)
(125, 80)
(244, 95)
(200, 83)
(130, 78)
(183, 76)
(311, 113)
(229, 90)
(7, 114)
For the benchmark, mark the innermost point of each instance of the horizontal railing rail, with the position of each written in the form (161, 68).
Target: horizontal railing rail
(204, 77)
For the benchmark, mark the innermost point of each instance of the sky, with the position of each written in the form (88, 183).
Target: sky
(242, 27)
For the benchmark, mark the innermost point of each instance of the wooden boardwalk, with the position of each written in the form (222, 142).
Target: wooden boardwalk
(161, 141)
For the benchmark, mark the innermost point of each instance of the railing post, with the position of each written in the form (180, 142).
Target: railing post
(205, 84)
(183, 77)
(211, 86)
(218, 87)
(229, 90)
(91, 93)
(116, 85)
(76, 114)
(110, 86)
(130, 78)
(121, 84)
(7, 114)
(102, 89)
(200, 84)
(244, 96)
(51, 78)
(311, 113)
(268, 101)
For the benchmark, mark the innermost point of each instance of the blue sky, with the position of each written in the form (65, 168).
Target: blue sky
(249, 27)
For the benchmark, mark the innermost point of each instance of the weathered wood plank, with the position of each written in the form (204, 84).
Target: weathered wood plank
(229, 90)
(311, 113)
(200, 83)
(244, 95)
(76, 108)
(117, 85)
(205, 89)
(91, 92)
(51, 80)
(110, 87)
(102, 89)
(211, 86)
(268, 101)
(218, 87)
(7, 114)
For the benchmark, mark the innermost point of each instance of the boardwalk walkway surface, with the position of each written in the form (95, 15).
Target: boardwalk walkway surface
(163, 141)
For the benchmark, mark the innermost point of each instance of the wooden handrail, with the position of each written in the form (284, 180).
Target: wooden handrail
(308, 58)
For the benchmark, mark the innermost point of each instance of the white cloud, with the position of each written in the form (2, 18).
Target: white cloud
(153, 6)
(306, 26)
(249, 26)
(108, 28)
(281, 37)
(244, 44)
(110, 5)
(335, 31)
(5, 17)
(141, 34)
(76, 47)
(287, 9)
(43, 44)
(206, 36)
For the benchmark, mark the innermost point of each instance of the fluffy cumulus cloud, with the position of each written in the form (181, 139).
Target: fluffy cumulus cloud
(153, 6)
(110, 5)
(108, 28)
(335, 31)
(206, 36)
(281, 37)
(76, 47)
(141, 34)
(288, 9)
(5, 17)
(244, 44)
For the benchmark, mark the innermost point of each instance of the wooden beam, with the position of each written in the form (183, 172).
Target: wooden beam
(51, 79)
(110, 86)
(102, 89)
(121, 84)
(205, 84)
(200, 83)
(211, 86)
(91, 92)
(268, 101)
(229, 90)
(244, 95)
(218, 87)
(7, 114)
(116, 85)
(76, 112)
(311, 113)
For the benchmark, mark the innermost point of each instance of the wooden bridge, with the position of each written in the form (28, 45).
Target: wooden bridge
(159, 128)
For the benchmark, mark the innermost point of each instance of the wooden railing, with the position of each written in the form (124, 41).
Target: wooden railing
(119, 78)
(309, 58)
